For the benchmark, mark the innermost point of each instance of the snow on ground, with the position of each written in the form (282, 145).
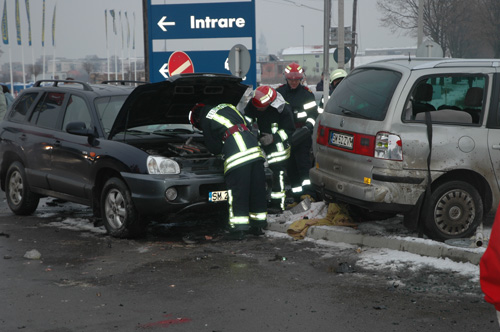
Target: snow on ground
(369, 258)
(382, 258)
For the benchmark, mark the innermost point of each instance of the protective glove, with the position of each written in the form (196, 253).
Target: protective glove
(266, 139)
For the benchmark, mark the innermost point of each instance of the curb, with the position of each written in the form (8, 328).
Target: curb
(423, 247)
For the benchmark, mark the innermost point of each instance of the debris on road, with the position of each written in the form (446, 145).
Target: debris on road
(33, 254)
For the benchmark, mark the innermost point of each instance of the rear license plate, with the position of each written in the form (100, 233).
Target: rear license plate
(341, 140)
(217, 196)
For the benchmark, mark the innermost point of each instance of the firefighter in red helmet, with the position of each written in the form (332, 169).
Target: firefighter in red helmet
(226, 132)
(305, 112)
(274, 119)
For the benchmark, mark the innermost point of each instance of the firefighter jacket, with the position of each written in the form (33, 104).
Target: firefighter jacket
(277, 120)
(489, 266)
(226, 133)
(303, 102)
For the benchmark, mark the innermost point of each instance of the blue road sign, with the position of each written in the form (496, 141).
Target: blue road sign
(204, 30)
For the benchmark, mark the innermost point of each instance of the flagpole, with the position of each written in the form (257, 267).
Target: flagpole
(5, 39)
(122, 58)
(54, 42)
(11, 74)
(43, 39)
(24, 73)
(29, 39)
(107, 44)
(128, 48)
(135, 53)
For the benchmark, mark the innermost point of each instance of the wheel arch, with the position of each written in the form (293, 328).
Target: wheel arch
(474, 179)
(8, 158)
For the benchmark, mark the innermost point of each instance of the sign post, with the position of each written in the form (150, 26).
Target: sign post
(202, 36)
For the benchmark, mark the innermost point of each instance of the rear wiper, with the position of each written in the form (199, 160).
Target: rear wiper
(349, 112)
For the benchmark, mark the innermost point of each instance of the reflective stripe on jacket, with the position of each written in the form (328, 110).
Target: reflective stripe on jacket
(240, 148)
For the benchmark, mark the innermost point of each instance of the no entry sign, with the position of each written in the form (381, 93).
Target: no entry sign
(178, 63)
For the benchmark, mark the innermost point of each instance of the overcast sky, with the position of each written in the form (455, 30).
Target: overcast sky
(80, 27)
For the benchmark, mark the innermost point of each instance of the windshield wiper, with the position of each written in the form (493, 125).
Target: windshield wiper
(170, 132)
(349, 112)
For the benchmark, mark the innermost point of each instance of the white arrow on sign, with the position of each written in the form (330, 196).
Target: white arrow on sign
(162, 23)
(164, 70)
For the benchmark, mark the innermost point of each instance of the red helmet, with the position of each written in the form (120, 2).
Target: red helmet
(294, 72)
(194, 115)
(263, 96)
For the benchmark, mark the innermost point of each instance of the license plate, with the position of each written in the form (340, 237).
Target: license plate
(217, 196)
(341, 140)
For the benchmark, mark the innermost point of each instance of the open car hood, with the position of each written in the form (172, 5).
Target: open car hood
(170, 101)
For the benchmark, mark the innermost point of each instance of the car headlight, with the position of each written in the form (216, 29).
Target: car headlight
(162, 165)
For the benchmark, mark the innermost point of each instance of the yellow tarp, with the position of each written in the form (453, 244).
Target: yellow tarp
(337, 215)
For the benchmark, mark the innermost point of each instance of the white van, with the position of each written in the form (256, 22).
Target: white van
(418, 137)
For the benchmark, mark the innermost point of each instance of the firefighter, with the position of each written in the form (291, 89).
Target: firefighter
(226, 133)
(305, 112)
(335, 78)
(274, 119)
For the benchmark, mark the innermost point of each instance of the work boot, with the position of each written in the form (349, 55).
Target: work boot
(234, 235)
(257, 231)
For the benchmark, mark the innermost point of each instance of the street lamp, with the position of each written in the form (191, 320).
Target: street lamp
(303, 62)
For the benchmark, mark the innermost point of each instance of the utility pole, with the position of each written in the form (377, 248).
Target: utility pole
(353, 43)
(341, 50)
(326, 50)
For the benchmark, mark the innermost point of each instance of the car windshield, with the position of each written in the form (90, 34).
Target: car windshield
(107, 109)
(365, 93)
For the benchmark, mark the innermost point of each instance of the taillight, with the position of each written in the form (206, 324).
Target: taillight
(388, 146)
(322, 135)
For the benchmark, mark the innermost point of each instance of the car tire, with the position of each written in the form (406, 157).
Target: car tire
(20, 199)
(118, 212)
(454, 211)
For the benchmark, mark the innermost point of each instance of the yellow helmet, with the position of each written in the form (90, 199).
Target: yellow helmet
(336, 74)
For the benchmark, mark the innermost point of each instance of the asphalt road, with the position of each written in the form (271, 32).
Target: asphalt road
(87, 281)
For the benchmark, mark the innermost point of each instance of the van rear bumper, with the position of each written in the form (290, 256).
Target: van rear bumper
(377, 196)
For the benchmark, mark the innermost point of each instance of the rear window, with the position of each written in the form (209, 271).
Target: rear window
(365, 93)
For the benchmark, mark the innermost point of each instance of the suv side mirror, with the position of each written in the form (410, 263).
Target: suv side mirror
(79, 128)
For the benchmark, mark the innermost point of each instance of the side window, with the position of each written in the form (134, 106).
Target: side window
(48, 109)
(77, 110)
(449, 99)
(22, 106)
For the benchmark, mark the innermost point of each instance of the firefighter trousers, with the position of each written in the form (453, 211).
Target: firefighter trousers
(247, 196)
(278, 188)
(299, 164)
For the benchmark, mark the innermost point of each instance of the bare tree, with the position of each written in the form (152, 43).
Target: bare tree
(450, 23)
(33, 70)
(489, 19)
(88, 66)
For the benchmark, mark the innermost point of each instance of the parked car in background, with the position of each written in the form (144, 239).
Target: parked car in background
(418, 137)
(129, 153)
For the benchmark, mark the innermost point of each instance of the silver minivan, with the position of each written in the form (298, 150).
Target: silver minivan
(415, 136)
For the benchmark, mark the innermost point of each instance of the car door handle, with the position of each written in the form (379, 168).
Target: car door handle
(57, 143)
(496, 147)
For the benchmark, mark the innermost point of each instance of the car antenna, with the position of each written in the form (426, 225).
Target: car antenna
(409, 56)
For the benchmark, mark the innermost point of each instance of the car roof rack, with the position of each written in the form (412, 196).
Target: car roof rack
(85, 86)
(122, 82)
